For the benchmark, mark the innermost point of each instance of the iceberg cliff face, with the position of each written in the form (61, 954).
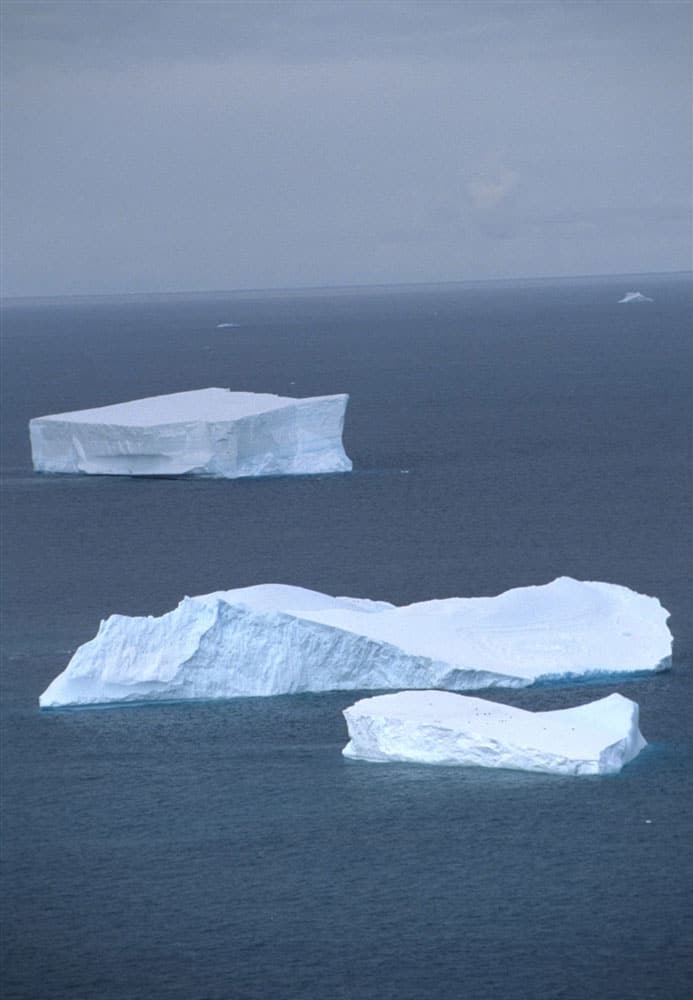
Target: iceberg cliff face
(206, 432)
(436, 727)
(275, 639)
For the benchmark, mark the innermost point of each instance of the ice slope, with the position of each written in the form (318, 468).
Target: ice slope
(436, 727)
(276, 639)
(635, 297)
(205, 432)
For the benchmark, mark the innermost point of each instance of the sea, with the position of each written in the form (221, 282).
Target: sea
(502, 434)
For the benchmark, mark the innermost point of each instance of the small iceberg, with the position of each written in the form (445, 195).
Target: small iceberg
(634, 297)
(204, 432)
(227, 326)
(276, 639)
(437, 727)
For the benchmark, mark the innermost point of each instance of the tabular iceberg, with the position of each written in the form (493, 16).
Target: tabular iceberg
(436, 727)
(206, 432)
(276, 639)
(634, 297)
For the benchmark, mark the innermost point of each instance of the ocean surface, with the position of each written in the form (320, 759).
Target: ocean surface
(502, 434)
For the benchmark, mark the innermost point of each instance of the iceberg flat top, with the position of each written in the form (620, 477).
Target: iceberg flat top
(212, 404)
(437, 727)
(278, 639)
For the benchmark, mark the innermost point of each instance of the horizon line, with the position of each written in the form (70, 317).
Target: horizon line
(336, 288)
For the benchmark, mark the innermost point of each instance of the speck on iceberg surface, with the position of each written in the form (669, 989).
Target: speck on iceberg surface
(436, 727)
(276, 639)
(205, 432)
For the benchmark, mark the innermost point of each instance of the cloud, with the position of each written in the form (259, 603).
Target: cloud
(183, 145)
(488, 192)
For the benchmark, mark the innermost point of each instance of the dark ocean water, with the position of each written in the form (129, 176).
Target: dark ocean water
(502, 435)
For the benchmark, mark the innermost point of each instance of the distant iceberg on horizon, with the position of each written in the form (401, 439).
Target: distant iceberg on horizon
(437, 727)
(634, 297)
(205, 432)
(276, 639)
(226, 326)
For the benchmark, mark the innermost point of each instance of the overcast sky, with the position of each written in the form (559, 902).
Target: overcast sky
(170, 146)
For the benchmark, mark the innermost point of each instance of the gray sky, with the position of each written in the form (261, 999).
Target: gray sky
(169, 146)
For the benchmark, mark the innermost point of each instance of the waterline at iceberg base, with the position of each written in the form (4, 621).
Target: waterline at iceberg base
(205, 432)
(277, 639)
(437, 727)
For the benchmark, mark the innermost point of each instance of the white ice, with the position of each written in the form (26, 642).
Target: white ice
(436, 727)
(276, 639)
(635, 297)
(205, 432)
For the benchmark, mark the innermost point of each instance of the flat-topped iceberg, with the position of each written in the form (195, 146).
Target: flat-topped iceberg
(634, 297)
(205, 432)
(436, 727)
(276, 639)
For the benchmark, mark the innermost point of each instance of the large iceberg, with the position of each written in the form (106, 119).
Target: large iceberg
(276, 639)
(206, 432)
(634, 297)
(436, 727)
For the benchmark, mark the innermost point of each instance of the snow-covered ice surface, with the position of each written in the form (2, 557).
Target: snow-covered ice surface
(635, 297)
(205, 432)
(277, 639)
(436, 727)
